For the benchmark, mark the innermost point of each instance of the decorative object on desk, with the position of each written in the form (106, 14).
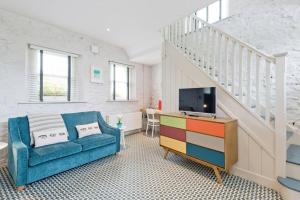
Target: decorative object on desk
(96, 75)
(159, 104)
(119, 123)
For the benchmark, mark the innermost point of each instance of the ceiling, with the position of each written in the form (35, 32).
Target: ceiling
(134, 24)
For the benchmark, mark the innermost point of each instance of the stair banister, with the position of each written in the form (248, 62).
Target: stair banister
(209, 48)
(280, 115)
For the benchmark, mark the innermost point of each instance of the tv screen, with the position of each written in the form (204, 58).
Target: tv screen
(198, 100)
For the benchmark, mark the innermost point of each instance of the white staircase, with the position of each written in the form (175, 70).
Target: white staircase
(252, 78)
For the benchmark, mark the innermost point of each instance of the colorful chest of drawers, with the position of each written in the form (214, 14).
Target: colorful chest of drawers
(211, 142)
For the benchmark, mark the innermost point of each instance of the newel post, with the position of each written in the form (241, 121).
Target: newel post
(280, 115)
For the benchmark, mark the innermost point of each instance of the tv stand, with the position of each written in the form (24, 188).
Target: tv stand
(209, 141)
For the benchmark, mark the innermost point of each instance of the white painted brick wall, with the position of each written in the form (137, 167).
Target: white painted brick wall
(17, 31)
(274, 27)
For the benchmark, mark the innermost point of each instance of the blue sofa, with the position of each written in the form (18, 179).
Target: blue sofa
(27, 164)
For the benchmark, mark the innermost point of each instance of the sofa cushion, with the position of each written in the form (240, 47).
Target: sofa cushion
(51, 152)
(95, 141)
(73, 119)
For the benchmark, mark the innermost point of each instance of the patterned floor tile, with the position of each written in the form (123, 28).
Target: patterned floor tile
(138, 172)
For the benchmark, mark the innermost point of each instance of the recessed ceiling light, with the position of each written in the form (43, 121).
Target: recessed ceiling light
(107, 29)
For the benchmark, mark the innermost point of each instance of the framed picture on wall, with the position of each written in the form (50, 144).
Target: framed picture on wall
(96, 74)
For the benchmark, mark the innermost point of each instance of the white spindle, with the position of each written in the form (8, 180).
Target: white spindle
(213, 54)
(202, 46)
(172, 33)
(249, 63)
(208, 49)
(241, 72)
(257, 84)
(268, 91)
(176, 34)
(182, 36)
(233, 69)
(226, 63)
(219, 57)
(185, 34)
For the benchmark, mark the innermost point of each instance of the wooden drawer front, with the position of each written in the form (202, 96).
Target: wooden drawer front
(208, 155)
(175, 122)
(173, 144)
(210, 128)
(175, 133)
(207, 141)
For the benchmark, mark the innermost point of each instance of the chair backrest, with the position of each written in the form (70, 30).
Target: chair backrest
(150, 113)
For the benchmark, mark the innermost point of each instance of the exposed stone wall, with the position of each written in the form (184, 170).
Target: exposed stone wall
(272, 26)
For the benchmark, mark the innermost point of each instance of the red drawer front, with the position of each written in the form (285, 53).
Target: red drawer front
(174, 133)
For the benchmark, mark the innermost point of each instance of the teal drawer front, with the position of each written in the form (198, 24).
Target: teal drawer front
(208, 155)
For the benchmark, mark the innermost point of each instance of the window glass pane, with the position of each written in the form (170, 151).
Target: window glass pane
(214, 12)
(55, 64)
(202, 14)
(225, 8)
(121, 82)
(55, 86)
(121, 74)
(55, 77)
(121, 91)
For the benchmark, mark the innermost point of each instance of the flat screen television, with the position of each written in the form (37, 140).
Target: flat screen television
(198, 100)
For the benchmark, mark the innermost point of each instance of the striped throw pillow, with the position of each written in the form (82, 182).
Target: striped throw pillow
(42, 122)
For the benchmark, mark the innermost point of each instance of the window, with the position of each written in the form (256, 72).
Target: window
(121, 81)
(55, 79)
(214, 12)
(51, 76)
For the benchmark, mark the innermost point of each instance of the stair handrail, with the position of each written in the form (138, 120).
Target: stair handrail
(249, 46)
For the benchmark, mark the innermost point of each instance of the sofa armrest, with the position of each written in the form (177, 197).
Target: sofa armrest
(107, 129)
(18, 163)
(17, 154)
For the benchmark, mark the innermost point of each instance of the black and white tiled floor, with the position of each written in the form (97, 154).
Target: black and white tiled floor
(139, 172)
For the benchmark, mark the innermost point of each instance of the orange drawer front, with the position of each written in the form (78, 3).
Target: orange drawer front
(209, 128)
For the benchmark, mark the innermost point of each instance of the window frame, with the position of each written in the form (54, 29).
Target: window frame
(112, 65)
(41, 52)
(207, 12)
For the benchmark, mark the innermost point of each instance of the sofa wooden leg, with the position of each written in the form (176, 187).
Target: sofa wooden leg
(20, 188)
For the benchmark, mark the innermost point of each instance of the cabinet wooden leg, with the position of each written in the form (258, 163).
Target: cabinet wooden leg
(20, 188)
(228, 172)
(218, 175)
(166, 153)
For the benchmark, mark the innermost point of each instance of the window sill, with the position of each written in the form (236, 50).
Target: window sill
(130, 100)
(53, 102)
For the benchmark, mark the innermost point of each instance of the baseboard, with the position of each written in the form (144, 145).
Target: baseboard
(257, 178)
(132, 132)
